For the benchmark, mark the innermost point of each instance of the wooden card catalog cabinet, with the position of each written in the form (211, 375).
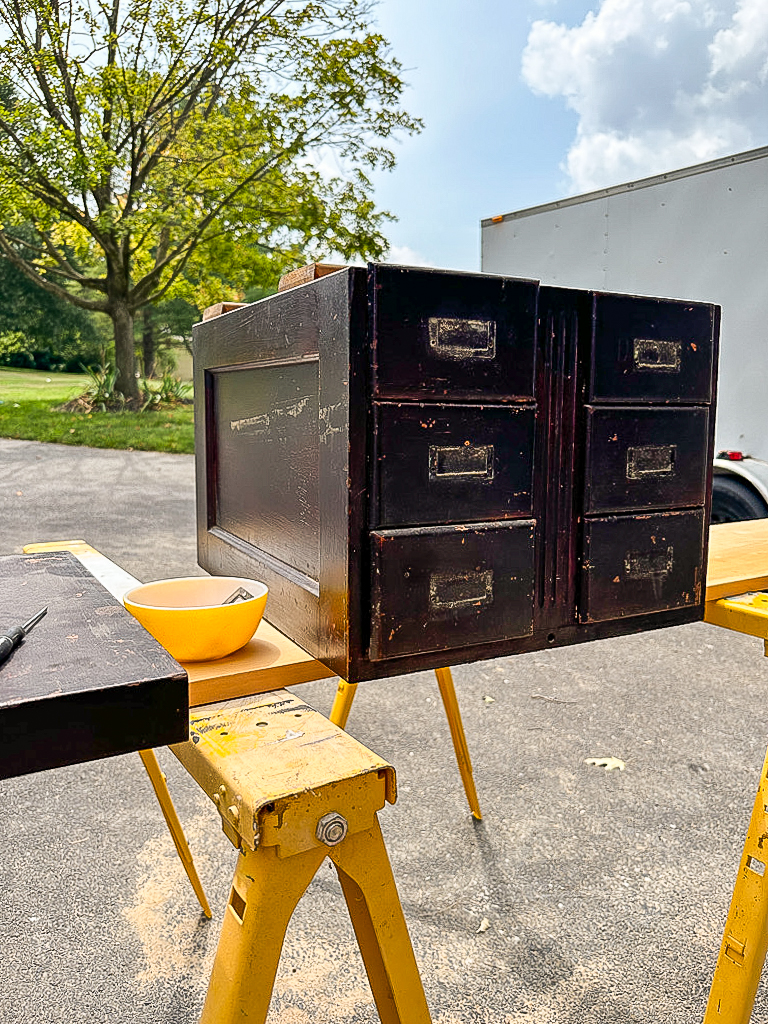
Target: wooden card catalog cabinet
(429, 468)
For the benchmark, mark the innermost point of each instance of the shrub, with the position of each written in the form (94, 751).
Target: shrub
(17, 349)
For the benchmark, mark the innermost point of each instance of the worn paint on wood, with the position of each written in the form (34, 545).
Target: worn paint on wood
(451, 415)
(88, 681)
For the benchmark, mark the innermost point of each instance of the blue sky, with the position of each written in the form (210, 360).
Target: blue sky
(525, 101)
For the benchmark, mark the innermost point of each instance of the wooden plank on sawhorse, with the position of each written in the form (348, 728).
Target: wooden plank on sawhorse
(738, 558)
(293, 789)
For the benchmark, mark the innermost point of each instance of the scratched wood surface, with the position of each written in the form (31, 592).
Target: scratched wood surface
(393, 400)
(88, 681)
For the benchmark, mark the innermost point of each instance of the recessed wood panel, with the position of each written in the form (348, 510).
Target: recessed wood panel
(266, 462)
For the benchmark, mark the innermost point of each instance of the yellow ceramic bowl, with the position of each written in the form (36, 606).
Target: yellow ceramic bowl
(188, 618)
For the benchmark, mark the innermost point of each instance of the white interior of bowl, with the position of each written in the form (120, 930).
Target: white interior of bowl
(188, 592)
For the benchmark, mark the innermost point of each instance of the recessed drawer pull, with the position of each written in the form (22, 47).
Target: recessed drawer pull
(642, 565)
(459, 589)
(459, 338)
(657, 356)
(461, 462)
(651, 460)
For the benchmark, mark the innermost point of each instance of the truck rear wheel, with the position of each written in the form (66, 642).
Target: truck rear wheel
(733, 501)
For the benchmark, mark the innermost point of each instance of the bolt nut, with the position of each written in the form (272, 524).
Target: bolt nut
(331, 829)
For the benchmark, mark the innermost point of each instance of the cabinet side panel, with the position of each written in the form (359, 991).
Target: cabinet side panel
(257, 422)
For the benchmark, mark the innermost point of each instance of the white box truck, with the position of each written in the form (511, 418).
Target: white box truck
(698, 233)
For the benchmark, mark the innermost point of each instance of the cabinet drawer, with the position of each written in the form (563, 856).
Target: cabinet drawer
(440, 587)
(651, 350)
(452, 336)
(639, 564)
(641, 457)
(453, 464)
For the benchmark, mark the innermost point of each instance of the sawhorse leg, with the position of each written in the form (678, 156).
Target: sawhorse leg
(451, 705)
(266, 890)
(160, 786)
(745, 940)
(342, 704)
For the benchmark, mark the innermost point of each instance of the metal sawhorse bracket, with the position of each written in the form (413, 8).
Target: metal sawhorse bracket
(293, 789)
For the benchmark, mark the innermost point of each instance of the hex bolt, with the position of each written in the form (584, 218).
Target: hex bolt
(331, 829)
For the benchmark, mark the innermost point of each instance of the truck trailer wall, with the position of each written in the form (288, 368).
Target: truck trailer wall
(700, 233)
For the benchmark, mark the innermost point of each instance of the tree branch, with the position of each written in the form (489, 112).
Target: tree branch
(28, 269)
(64, 268)
(201, 74)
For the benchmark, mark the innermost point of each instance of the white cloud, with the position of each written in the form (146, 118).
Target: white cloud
(656, 84)
(404, 256)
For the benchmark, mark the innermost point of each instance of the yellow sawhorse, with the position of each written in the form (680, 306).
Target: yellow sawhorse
(739, 561)
(293, 789)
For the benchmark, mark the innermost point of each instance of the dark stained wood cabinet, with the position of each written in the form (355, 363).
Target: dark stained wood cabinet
(429, 468)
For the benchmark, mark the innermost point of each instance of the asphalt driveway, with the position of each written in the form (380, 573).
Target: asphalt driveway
(585, 896)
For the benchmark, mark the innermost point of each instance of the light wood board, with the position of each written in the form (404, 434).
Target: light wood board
(738, 558)
(269, 662)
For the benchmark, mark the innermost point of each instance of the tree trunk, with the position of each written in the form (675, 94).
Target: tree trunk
(148, 350)
(125, 359)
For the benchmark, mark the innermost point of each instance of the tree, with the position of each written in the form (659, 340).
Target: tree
(137, 133)
(55, 333)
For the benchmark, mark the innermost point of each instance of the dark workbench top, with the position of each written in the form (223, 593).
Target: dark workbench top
(88, 681)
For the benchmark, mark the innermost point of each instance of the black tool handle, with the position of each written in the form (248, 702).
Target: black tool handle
(10, 640)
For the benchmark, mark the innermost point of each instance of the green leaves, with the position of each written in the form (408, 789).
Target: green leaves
(148, 140)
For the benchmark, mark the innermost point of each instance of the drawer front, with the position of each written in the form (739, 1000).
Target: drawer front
(452, 335)
(453, 464)
(441, 587)
(638, 564)
(651, 350)
(642, 457)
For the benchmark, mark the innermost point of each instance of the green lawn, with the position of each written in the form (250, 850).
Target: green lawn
(23, 385)
(27, 411)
